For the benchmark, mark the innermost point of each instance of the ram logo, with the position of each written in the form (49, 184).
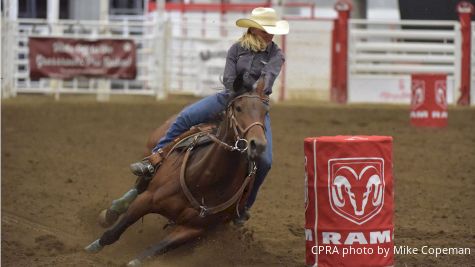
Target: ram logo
(356, 187)
(440, 93)
(417, 93)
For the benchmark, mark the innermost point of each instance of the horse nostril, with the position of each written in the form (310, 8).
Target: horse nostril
(256, 147)
(252, 145)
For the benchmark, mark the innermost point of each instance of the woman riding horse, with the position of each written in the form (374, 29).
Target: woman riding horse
(254, 54)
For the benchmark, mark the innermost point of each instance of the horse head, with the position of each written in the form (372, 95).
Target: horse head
(247, 111)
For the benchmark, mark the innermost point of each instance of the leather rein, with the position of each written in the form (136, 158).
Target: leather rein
(241, 145)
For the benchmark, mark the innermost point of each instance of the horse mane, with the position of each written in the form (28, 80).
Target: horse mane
(243, 84)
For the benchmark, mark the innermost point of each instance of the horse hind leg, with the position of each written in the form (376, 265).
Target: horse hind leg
(180, 235)
(139, 208)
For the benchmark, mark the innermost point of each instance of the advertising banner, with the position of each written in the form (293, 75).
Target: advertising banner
(349, 205)
(66, 58)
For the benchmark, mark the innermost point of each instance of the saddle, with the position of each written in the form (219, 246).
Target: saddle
(197, 136)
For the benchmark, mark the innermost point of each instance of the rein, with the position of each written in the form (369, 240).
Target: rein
(241, 145)
(203, 209)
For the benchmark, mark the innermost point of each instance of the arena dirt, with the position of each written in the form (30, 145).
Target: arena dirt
(62, 162)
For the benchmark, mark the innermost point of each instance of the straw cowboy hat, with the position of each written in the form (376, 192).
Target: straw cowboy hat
(265, 18)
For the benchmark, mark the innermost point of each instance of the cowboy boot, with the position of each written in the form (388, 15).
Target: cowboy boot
(147, 166)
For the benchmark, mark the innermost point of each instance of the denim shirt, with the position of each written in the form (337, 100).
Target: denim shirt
(240, 60)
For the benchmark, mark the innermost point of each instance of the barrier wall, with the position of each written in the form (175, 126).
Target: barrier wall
(349, 197)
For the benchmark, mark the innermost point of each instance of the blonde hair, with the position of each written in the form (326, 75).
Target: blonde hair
(252, 42)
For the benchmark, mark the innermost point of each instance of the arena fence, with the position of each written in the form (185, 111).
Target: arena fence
(184, 53)
(383, 54)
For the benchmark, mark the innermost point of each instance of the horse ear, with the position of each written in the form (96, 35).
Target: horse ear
(260, 85)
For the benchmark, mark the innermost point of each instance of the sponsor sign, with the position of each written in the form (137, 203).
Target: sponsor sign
(429, 100)
(349, 201)
(66, 58)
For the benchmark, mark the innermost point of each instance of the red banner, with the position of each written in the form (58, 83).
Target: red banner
(465, 10)
(349, 205)
(429, 100)
(65, 58)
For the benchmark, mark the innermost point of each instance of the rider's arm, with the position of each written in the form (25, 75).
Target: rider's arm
(273, 67)
(230, 68)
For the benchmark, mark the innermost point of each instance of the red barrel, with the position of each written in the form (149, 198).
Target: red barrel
(429, 100)
(349, 201)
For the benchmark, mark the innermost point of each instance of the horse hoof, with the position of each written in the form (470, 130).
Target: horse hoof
(134, 263)
(107, 218)
(94, 247)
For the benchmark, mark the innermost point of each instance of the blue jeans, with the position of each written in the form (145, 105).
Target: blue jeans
(205, 110)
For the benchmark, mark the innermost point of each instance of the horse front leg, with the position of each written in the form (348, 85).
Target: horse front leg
(180, 235)
(119, 206)
(139, 208)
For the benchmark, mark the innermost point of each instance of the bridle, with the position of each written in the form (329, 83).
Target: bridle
(238, 129)
(240, 132)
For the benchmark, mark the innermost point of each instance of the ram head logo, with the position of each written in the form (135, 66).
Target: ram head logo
(440, 90)
(356, 188)
(417, 93)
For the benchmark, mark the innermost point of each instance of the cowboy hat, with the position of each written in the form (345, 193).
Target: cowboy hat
(264, 18)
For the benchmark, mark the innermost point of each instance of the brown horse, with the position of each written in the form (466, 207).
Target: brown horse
(202, 186)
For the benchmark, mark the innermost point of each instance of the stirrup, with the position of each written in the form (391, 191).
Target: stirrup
(142, 168)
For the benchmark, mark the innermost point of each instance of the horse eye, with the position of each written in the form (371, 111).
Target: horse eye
(238, 109)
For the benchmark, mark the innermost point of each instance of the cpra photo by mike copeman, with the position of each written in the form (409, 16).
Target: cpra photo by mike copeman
(346, 251)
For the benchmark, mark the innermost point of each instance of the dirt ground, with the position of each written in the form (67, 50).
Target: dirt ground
(62, 162)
